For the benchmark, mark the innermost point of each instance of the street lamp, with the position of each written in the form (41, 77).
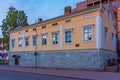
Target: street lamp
(35, 53)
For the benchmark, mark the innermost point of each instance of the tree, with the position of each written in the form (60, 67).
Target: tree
(14, 18)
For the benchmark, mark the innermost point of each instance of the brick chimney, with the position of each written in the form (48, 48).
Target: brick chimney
(39, 20)
(67, 10)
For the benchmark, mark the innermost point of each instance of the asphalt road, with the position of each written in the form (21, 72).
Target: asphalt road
(8, 75)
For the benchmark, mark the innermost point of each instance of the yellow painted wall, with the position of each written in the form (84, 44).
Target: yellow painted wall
(77, 23)
(109, 25)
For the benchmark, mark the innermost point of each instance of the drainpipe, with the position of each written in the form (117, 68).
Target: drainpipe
(9, 52)
(99, 35)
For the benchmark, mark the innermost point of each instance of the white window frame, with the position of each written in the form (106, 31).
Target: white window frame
(88, 26)
(28, 41)
(13, 43)
(42, 37)
(20, 39)
(35, 40)
(71, 29)
(55, 32)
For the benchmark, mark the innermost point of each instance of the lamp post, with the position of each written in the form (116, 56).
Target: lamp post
(35, 53)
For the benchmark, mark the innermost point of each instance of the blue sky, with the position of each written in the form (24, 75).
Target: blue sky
(35, 9)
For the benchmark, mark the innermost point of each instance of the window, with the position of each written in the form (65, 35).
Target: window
(113, 39)
(109, 15)
(34, 29)
(54, 24)
(26, 30)
(44, 39)
(19, 32)
(20, 42)
(54, 38)
(43, 27)
(68, 36)
(13, 43)
(105, 35)
(67, 21)
(88, 16)
(34, 40)
(88, 33)
(26, 41)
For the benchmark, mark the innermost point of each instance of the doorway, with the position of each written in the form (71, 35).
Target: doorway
(16, 62)
(16, 59)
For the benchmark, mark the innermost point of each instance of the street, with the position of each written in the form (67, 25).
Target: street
(9, 75)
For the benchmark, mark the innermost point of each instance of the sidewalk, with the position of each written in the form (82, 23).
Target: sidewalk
(90, 75)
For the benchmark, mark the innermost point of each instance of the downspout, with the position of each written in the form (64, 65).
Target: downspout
(99, 36)
(23, 44)
(9, 58)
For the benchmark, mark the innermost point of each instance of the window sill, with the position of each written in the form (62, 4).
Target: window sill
(88, 41)
(43, 45)
(54, 44)
(34, 45)
(68, 43)
(26, 46)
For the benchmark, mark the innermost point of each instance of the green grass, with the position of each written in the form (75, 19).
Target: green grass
(3, 62)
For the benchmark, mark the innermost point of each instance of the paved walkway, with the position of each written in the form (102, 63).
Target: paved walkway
(90, 75)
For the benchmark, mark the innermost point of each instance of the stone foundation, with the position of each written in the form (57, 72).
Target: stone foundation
(76, 59)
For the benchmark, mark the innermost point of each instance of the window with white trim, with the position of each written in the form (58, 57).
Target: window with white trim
(26, 41)
(44, 39)
(105, 35)
(68, 36)
(34, 40)
(54, 38)
(13, 43)
(88, 33)
(20, 42)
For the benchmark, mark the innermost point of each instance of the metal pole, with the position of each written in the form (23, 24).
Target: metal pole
(35, 53)
(36, 50)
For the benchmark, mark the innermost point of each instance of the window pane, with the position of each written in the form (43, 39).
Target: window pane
(44, 39)
(13, 43)
(109, 15)
(20, 42)
(54, 38)
(86, 30)
(34, 40)
(27, 41)
(105, 35)
(68, 37)
(88, 34)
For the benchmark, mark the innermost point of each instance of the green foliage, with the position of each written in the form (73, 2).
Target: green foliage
(14, 18)
(3, 42)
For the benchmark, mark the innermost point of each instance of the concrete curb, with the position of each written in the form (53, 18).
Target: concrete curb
(85, 75)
